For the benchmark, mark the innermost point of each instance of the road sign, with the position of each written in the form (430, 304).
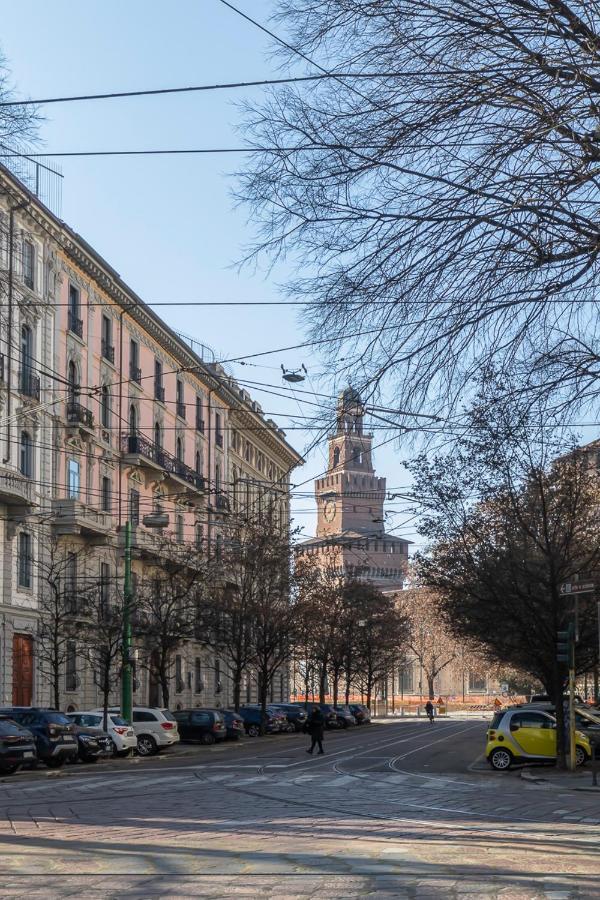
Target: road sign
(577, 587)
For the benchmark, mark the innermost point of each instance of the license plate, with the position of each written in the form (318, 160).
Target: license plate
(28, 754)
(68, 737)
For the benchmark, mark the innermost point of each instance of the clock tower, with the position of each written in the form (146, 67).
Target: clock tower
(350, 496)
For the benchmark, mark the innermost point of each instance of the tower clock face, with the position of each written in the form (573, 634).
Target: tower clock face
(329, 510)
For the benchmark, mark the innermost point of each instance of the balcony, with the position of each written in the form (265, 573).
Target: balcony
(108, 351)
(140, 451)
(181, 409)
(70, 516)
(79, 415)
(75, 324)
(159, 393)
(29, 384)
(135, 374)
(14, 489)
(222, 503)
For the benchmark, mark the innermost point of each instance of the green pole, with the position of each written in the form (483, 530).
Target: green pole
(126, 679)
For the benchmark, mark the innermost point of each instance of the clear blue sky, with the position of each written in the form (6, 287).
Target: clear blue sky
(168, 224)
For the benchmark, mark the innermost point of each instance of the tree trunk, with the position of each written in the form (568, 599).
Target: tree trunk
(430, 679)
(322, 683)
(164, 682)
(336, 684)
(237, 687)
(263, 689)
(56, 678)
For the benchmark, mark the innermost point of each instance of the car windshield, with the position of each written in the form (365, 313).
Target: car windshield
(168, 715)
(9, 727)
(57, 718)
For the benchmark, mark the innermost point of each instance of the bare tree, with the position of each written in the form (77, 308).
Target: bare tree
(431, 641)
(439, 190)
(512, 516)
(168, 605)
(61, 606)
(101, 633)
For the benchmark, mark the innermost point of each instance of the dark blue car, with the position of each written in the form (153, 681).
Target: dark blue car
(54, 734)
(251, 717)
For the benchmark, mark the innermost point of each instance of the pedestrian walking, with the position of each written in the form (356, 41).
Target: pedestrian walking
(314, 726)
(430, 711)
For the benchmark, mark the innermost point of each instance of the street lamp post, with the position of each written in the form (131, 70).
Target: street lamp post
(155, 520)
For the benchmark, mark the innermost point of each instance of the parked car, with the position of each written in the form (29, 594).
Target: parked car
(93, 743)
(121, 734)
(53, 732)
(233, 723)
(527, 735)
(155, 728)
(252, 717)
(295, 715)
(331, 719)
(586, 720)
(544, 701)
(345, 716)
(204, 725)
(17, 746)
(276, 714)
(361, 713)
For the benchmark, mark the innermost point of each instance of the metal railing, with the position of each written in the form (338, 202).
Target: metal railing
(135, 374)
(159, 392)
(79, 415)
(200, 424)
(181, 409)
(138, 444)
(108, 351)
(29, 384)
(75, 324)
(222, 502)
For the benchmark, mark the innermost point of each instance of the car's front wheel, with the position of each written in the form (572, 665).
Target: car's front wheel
(580, 756)
(253, 730)
(207, 739)
(10, 770)
(55, 762)
(500, 759)
(146, 745)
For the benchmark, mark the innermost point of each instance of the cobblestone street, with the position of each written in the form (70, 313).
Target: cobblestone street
(265, 819)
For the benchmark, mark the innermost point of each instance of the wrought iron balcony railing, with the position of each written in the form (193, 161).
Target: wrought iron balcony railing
(79, 415)
(159, 393)
(135, 374)
(29, 384)
(75, 324)
(142, 446)
(108, 351)
(200, 424)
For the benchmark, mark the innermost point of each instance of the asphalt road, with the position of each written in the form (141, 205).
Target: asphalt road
(398, 809)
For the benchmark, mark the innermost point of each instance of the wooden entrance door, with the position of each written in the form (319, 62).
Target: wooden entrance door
(22, 692)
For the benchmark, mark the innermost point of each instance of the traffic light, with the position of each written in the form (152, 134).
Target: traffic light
(565, 645)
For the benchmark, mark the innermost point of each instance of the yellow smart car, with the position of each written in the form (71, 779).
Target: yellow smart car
(521, 735)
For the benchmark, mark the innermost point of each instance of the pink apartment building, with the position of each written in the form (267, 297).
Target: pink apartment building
(107, 415)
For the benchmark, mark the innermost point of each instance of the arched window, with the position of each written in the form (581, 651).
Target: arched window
(105, 407)
(133, 425)
(73, 381)
(198, 462)
(26, 460)
(157, 434)
(179, 449)
(357, 455)
(336, 457)
(26, 348)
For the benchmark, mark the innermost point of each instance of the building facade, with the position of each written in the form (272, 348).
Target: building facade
(106, 416)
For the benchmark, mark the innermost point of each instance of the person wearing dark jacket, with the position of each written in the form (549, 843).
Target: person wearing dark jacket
(314, 726)
(430, 711)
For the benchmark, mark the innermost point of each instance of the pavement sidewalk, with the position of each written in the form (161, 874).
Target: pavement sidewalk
(552, 778)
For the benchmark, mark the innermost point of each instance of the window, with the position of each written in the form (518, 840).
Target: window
(531, 720)
(105, 406)
(179, 529)
(218, 478)
(179, 449)
(73, 479)
(25, 560)
(75, 322)
(73, 381)
(180, 404)
(248, 453)
(26, 349)
(133, 420)
(198, 683)
(26, 456)
(157, 435)
(159, 391)
(106, 491)
(199, 419)
(71, 667)
(134, 506)
(201, 718)
(178, 674)
(140, 715)
(135, 372)
(406, 680)
(71, 583)
(104, 589)
(28, 263)
(477, 683)
(198, 462)
(336, 456)
(218, 432)
(108, 350)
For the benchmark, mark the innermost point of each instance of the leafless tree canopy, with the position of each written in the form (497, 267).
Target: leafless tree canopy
(446, 208)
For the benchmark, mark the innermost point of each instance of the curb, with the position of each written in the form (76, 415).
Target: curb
(549, 783)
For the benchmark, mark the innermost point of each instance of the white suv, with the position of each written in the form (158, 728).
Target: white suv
(121, 734)
(154, 728)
